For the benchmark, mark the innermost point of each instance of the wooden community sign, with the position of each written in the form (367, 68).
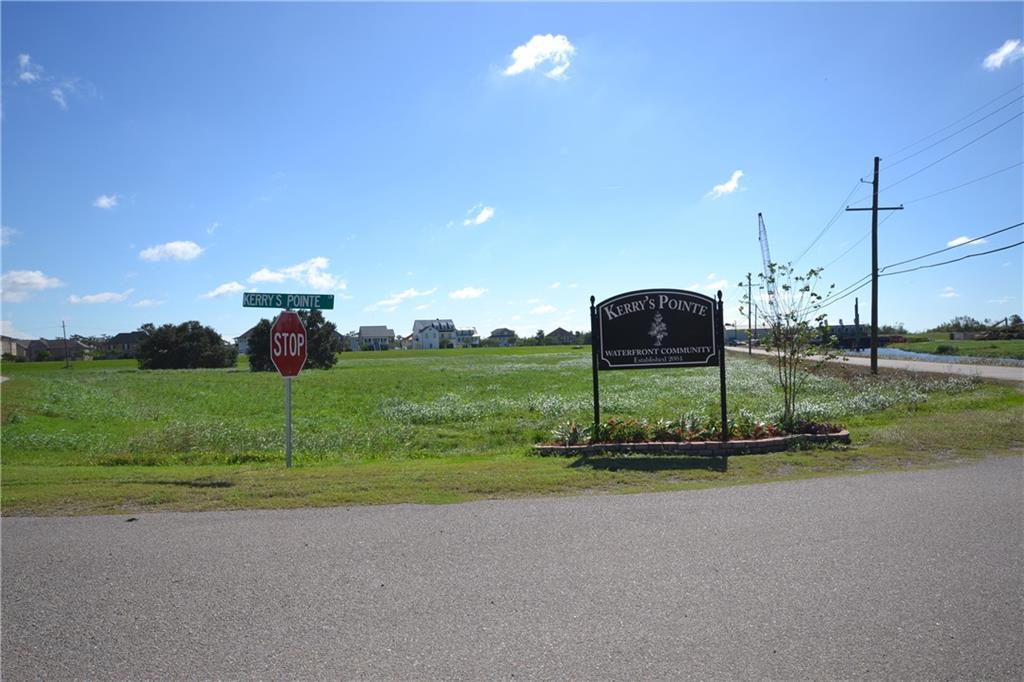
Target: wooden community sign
(653, 328)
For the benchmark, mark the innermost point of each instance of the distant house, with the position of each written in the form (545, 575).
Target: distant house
(54, 349)
(438, 333)
(125, 344)
(242, 341)
(560, 336)
(433, 334)
(16, 348)
(466, 338)
(375, 338)
(503, 337)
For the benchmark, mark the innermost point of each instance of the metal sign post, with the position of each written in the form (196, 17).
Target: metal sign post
(654, 328)
(288, 342)
(288, 422)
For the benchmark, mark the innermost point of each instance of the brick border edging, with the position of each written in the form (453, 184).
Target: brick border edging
(708, 448)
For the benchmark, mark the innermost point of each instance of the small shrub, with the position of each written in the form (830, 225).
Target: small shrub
(570, 433)
(945, 349)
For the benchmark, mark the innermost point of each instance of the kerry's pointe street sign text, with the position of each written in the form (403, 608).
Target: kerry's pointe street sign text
(252, 299)
(656, 328)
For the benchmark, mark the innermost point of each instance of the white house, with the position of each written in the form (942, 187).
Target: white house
(438, 333)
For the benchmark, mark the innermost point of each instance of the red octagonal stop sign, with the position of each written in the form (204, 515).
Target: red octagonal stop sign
(288, 343)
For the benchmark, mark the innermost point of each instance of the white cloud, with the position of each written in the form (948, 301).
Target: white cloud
(172, 251)
(396, 299)
(213, 227)
(311, 273)
(485, 214)
(963, 240)
(147, 303)
(7, 328)
(57, 95)
(6, 233)
(467, 292)
(105, 297)
(17, 286)
(949, 292)
(555, 285)
(265, 275)
(225, 290)
(573, 285)
(27, 71)
(543, 310)
(711, 286)
(541, 49)
(105, 201)
(1011, 51)
(423, 306)
(729, 187)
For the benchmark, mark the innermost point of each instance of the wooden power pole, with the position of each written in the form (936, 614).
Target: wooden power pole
(874, 263)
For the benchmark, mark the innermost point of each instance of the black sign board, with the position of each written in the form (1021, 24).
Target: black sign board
(656, 328)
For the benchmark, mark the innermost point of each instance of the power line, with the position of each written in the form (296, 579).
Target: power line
(958, 149)
(859, 241)
(831, 222)
(943, 158)
(955, 260)
(969, 182)
(962, 118)
(954, 246)
(835, 299)
(954, 134)
(861, 282)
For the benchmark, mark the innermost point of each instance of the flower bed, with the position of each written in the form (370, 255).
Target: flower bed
(707, 448)
(690, 435)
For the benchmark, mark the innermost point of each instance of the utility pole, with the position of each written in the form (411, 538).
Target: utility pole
(874, 263)
(67, 362)
(856, 321)
(750, 309)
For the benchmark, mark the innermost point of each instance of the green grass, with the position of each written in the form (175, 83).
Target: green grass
(435, 426)
(1010, 348)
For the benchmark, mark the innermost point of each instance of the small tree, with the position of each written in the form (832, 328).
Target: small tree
(798, 332)
(323, 340)
(321, 349)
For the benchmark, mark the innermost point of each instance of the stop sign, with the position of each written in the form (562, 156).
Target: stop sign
(288, 343)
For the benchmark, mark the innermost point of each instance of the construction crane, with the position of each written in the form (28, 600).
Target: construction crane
(766, 258)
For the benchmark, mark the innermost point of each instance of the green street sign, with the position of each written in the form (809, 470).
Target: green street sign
(288, 301)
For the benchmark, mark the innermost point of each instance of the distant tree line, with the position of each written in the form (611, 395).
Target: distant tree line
(188, 345)
(966, 323)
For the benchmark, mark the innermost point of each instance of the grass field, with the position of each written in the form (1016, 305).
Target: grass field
(435, 426)
(1011, 348)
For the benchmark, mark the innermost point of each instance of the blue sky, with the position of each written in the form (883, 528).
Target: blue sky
(497, 163)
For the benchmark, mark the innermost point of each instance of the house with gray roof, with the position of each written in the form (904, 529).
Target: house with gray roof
(375, 338)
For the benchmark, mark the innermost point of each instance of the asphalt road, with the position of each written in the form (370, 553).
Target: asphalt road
(905, 576)
(994, 372)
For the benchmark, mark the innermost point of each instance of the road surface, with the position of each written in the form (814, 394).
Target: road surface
(914, 575)
(994, 372)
